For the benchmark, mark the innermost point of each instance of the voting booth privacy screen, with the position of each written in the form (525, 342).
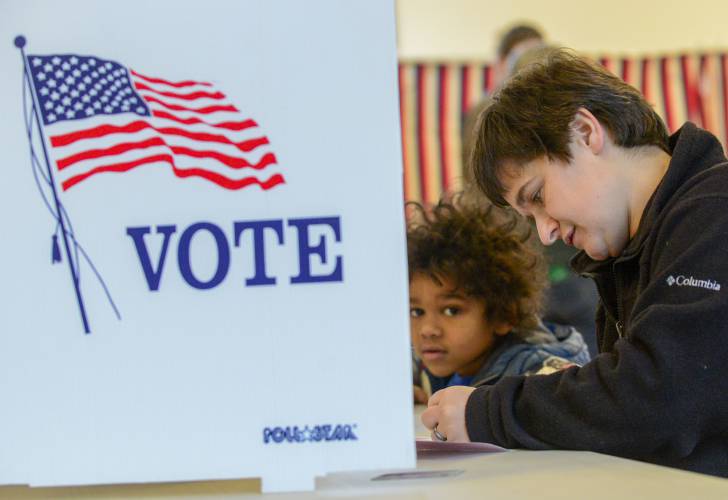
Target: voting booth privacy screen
(203, 254)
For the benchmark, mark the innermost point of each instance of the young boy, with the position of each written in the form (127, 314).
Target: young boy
(476, 287)
(584, 154)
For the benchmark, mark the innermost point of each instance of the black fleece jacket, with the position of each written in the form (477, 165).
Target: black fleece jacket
(658, 391)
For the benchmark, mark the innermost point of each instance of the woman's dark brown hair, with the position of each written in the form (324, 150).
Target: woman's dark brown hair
(530, 116)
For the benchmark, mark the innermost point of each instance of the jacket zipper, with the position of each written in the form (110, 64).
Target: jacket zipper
(618, 323)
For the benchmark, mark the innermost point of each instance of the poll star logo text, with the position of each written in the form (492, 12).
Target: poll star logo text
(316, 433)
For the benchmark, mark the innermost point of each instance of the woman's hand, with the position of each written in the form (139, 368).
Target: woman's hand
(446, 411)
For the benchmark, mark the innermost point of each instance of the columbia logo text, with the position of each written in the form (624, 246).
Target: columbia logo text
(309, 434)
(690, 281)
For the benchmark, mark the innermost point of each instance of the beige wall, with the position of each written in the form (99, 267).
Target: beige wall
(468, 29)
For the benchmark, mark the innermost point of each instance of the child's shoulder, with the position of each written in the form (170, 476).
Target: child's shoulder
(549, 345)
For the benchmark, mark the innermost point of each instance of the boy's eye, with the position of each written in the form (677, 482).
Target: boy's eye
(416, 312)
(451, 311)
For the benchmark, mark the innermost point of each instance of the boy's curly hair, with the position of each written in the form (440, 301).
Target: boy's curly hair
(487, 252)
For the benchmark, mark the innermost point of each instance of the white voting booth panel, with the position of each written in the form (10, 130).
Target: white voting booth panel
(203, 242)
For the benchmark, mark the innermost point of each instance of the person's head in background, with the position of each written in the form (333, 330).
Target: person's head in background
(512, 45)
(475, 276)
(574, 147)
(529, 55)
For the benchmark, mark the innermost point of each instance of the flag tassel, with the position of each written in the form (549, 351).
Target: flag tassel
(56, 250)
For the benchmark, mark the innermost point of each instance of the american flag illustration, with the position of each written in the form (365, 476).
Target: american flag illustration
(102, 117)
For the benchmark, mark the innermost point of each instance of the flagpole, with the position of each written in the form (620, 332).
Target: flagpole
(20, 44)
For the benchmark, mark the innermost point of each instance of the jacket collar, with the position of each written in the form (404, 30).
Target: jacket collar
(560, 340)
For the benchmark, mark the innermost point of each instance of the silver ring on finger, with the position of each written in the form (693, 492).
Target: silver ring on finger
(438, 435)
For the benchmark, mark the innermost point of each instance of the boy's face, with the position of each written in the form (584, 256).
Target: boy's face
(583, 202)
(449, 331)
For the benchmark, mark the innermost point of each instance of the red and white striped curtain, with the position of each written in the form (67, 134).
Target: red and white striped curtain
(435, 98)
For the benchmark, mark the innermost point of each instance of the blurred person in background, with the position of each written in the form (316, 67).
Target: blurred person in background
(570, 299)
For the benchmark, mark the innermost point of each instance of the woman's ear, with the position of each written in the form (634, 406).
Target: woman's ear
(586, 131)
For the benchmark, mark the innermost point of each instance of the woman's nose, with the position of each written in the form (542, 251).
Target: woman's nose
(548, 229)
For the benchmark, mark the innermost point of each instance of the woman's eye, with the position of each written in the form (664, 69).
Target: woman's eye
(451, 311)
(416, 312)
